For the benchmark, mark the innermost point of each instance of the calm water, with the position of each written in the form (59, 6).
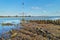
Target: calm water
(17, 21)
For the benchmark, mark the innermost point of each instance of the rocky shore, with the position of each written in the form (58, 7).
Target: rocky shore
(35, 31)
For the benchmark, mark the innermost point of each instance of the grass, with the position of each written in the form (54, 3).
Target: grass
(7, 24)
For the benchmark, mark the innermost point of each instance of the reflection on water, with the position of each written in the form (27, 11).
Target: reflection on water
(7, 28)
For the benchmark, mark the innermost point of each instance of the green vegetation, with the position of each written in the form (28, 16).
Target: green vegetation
(7, 24)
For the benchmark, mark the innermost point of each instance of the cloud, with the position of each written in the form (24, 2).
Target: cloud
(57, 12)
(39, 9)
(44, 11)
(50, 5)
(36, 8)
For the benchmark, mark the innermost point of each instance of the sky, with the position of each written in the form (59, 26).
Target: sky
(31, 7)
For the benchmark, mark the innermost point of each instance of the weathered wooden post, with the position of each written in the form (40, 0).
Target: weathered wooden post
(23, 16)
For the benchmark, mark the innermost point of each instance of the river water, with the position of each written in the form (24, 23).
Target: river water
(16, 20)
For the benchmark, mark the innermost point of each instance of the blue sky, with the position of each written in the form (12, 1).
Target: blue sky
(31, 7)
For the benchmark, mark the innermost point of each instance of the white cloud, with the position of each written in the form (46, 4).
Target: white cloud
(44, 11)
(49, 5)
(39, 9)
(36, 8)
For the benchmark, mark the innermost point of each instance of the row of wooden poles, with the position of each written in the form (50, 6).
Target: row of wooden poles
(47, 21)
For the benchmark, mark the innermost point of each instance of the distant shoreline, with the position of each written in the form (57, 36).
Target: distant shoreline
(29, 16)
(13, 16)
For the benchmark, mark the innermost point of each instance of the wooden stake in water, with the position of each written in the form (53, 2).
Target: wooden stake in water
(23, 16)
